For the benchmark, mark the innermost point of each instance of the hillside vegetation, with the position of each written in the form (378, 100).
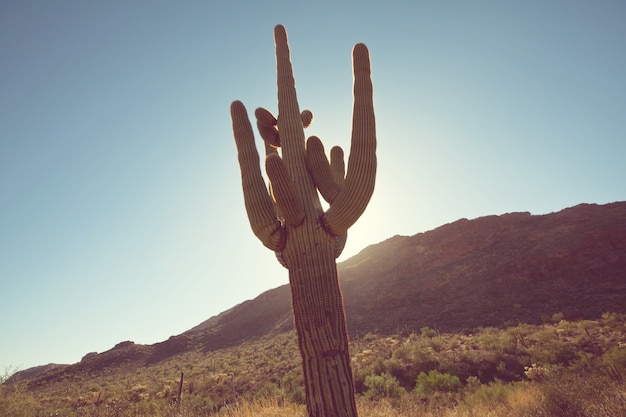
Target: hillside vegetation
(559, 368)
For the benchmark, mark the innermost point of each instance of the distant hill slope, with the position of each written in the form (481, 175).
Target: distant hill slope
(492, 270)
(489, 271)
(482, 272)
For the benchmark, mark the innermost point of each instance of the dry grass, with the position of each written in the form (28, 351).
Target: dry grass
(264, 408)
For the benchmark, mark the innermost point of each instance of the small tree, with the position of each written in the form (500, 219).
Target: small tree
(8, 371)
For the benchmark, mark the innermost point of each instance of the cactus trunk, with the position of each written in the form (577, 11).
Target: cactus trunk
(290, 220)
(320, 323)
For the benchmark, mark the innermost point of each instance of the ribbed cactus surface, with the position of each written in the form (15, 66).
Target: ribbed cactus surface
(288, 218)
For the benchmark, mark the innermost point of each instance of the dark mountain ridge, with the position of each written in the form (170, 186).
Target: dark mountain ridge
(493, 270)
(489, 271)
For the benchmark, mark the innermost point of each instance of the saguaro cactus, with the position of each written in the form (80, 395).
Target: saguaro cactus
(289, 218)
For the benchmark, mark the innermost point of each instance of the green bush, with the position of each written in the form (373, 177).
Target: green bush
(382, 386)
(550, 350)
(435, 381)
(409, 359)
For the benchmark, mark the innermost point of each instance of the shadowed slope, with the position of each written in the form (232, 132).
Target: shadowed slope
(487, 271)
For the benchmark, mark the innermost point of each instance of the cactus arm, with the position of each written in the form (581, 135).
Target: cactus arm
(340, 244)
(320, 170)
(267, 125)
(258, 203)
(337, 165)
(291, 128)
(328, 178)
(284, 190)
(361, 173)
(307, 118)
(290, 123)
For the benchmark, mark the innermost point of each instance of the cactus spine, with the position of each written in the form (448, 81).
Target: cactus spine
(289, 219)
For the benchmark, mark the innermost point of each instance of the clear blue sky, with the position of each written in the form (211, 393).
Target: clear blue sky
(121, 212)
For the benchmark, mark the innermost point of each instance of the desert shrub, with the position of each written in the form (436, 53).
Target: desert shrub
(292, 383)
(584, 363)
(552, 351)
(487, 366)
(407, 373)
(400, 370)
(523, 400)
(360, 373)
(434, 381)
(403, 353)
(613, 319)
(472, 384)
(536, 373)
(558, 400)
(470, 363)
(485, 395)
(269, 390)
(500, 341)
(614, 363)
(258, 408)
(147, 408)
(382, 386)
(454, 366)
(409, 359)
(16, 402)
(557, 317)
(428, 332)
(296, 396)
(514, 399)
(137, 393)
(572, 395)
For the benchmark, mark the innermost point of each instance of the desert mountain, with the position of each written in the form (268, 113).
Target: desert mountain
(489, 271)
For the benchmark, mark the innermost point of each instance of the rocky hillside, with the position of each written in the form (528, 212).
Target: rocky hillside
(492, 271)
(489, 271)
